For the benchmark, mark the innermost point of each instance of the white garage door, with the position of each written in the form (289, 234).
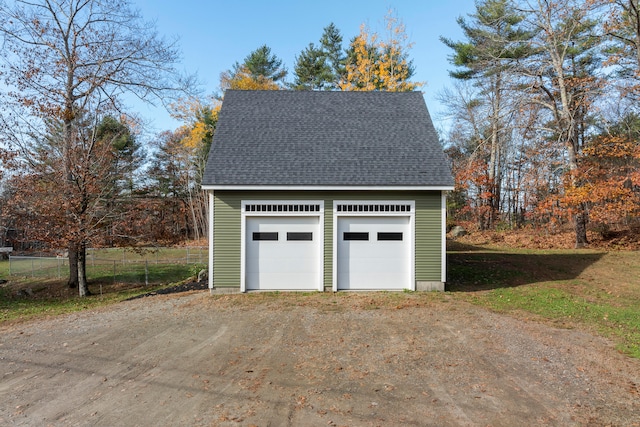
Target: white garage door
(282, 253)
(374, 253)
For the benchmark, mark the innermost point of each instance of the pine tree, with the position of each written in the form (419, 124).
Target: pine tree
(494, 37)
(331, 42)
(321, 67)
(261, 63)
(312, 71)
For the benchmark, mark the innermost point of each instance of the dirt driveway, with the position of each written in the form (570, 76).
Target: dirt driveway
(315, 360)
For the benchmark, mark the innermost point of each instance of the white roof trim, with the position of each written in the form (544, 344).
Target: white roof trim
(329, 187)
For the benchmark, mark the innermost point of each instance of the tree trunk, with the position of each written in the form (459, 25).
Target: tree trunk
(581, 219)
(73, 266)
(83, 288)
(196, 224)
(494, 160)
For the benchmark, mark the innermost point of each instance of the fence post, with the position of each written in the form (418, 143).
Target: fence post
(146, 272)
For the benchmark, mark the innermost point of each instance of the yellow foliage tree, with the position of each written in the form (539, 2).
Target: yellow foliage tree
(192, 143)
(362, 72)
(242, 79)
(199, 118)
(376, 63)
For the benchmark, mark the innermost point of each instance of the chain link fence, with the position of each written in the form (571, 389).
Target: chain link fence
(117, 265)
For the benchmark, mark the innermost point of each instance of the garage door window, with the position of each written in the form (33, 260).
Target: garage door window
(265, 236)
(299, 236)
(355, 236)
(385, 236)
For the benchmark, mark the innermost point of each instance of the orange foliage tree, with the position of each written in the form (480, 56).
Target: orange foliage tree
(68, 62)
(610, 181)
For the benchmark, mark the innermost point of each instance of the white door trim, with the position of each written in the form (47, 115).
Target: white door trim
(404, 208)
(280, 208)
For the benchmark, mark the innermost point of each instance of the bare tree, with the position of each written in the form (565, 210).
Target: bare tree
(560, 78)
(622, 25)
(494, 40)
(67, 60)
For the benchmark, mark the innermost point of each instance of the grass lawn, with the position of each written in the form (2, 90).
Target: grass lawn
(598, 291)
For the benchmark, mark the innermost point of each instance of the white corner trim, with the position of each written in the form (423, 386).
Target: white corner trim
(443, 277)
(211, 243)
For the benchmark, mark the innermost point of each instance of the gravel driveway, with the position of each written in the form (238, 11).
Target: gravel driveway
(309, 360)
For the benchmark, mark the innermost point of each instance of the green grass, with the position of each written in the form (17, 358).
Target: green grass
(567, 309)
(4, 269)
(23, 309)
(591, 290)
(138, 273)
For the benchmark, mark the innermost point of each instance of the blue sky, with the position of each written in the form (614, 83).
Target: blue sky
(215, 34)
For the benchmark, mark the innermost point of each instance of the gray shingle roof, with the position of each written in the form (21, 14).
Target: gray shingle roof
(304, 138)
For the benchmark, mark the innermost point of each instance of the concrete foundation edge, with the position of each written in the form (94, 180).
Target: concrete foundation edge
(429, 286)
(216, 291)
(421, 286)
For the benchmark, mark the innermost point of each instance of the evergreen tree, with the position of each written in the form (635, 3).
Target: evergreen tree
(312, 71)
(322, 67)
(331, 42)
(261, 63)
(494, 37)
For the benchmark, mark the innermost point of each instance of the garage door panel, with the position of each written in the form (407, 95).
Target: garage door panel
(285, 265)
(373, 281)
(276, 281)
(292, 262)
(381, 262)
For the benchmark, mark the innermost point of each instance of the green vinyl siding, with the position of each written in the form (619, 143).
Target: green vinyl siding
(428, 238)
(227, 217)
(226, 236)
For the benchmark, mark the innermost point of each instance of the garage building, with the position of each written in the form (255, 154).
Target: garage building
(326, 191)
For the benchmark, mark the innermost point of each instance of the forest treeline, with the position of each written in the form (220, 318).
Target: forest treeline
(542, 117)
(76, 171)
(544, 111)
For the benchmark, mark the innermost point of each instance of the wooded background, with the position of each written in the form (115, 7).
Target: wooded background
(542, 128)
